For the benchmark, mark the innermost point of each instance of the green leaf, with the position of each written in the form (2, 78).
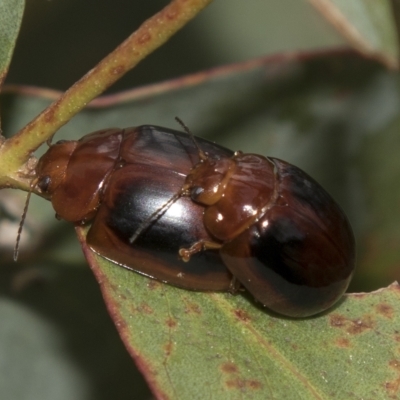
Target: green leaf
(11, 12)
(196, 345)
(368, 25)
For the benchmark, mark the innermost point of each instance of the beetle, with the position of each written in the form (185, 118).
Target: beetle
(193, 214)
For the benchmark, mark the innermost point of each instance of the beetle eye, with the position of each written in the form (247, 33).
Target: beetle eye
(44, 183)
(196, 191)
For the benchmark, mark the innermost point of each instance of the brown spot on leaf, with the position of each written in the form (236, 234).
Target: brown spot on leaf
(337, 320)
(229, 368)
(254, 384)
(393, 386)
(352, 326)
(358, 326)
(153, 285)
(395, 364)
(168, 348)
(242, 315)
(144, 308)
(342, 342)
(385, 309)
(242, 384)
(192, 308)
(171, 323)
(132, 309)
(235, 381)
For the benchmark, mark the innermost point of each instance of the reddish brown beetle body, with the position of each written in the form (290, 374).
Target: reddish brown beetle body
(151, 197)
(121, 177)
(284, 238)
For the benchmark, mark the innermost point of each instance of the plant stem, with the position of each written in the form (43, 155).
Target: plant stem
(151, 34)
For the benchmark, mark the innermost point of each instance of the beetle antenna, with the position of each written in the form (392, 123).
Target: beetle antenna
(21, 224)
(156, 214)
(202, 155)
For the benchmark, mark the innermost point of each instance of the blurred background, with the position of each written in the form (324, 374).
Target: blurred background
(62, 40)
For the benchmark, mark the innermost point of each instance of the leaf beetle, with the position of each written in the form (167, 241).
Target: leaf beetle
(196, 215)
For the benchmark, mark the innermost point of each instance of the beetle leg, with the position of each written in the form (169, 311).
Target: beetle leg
(235, 286)
(201, 245)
